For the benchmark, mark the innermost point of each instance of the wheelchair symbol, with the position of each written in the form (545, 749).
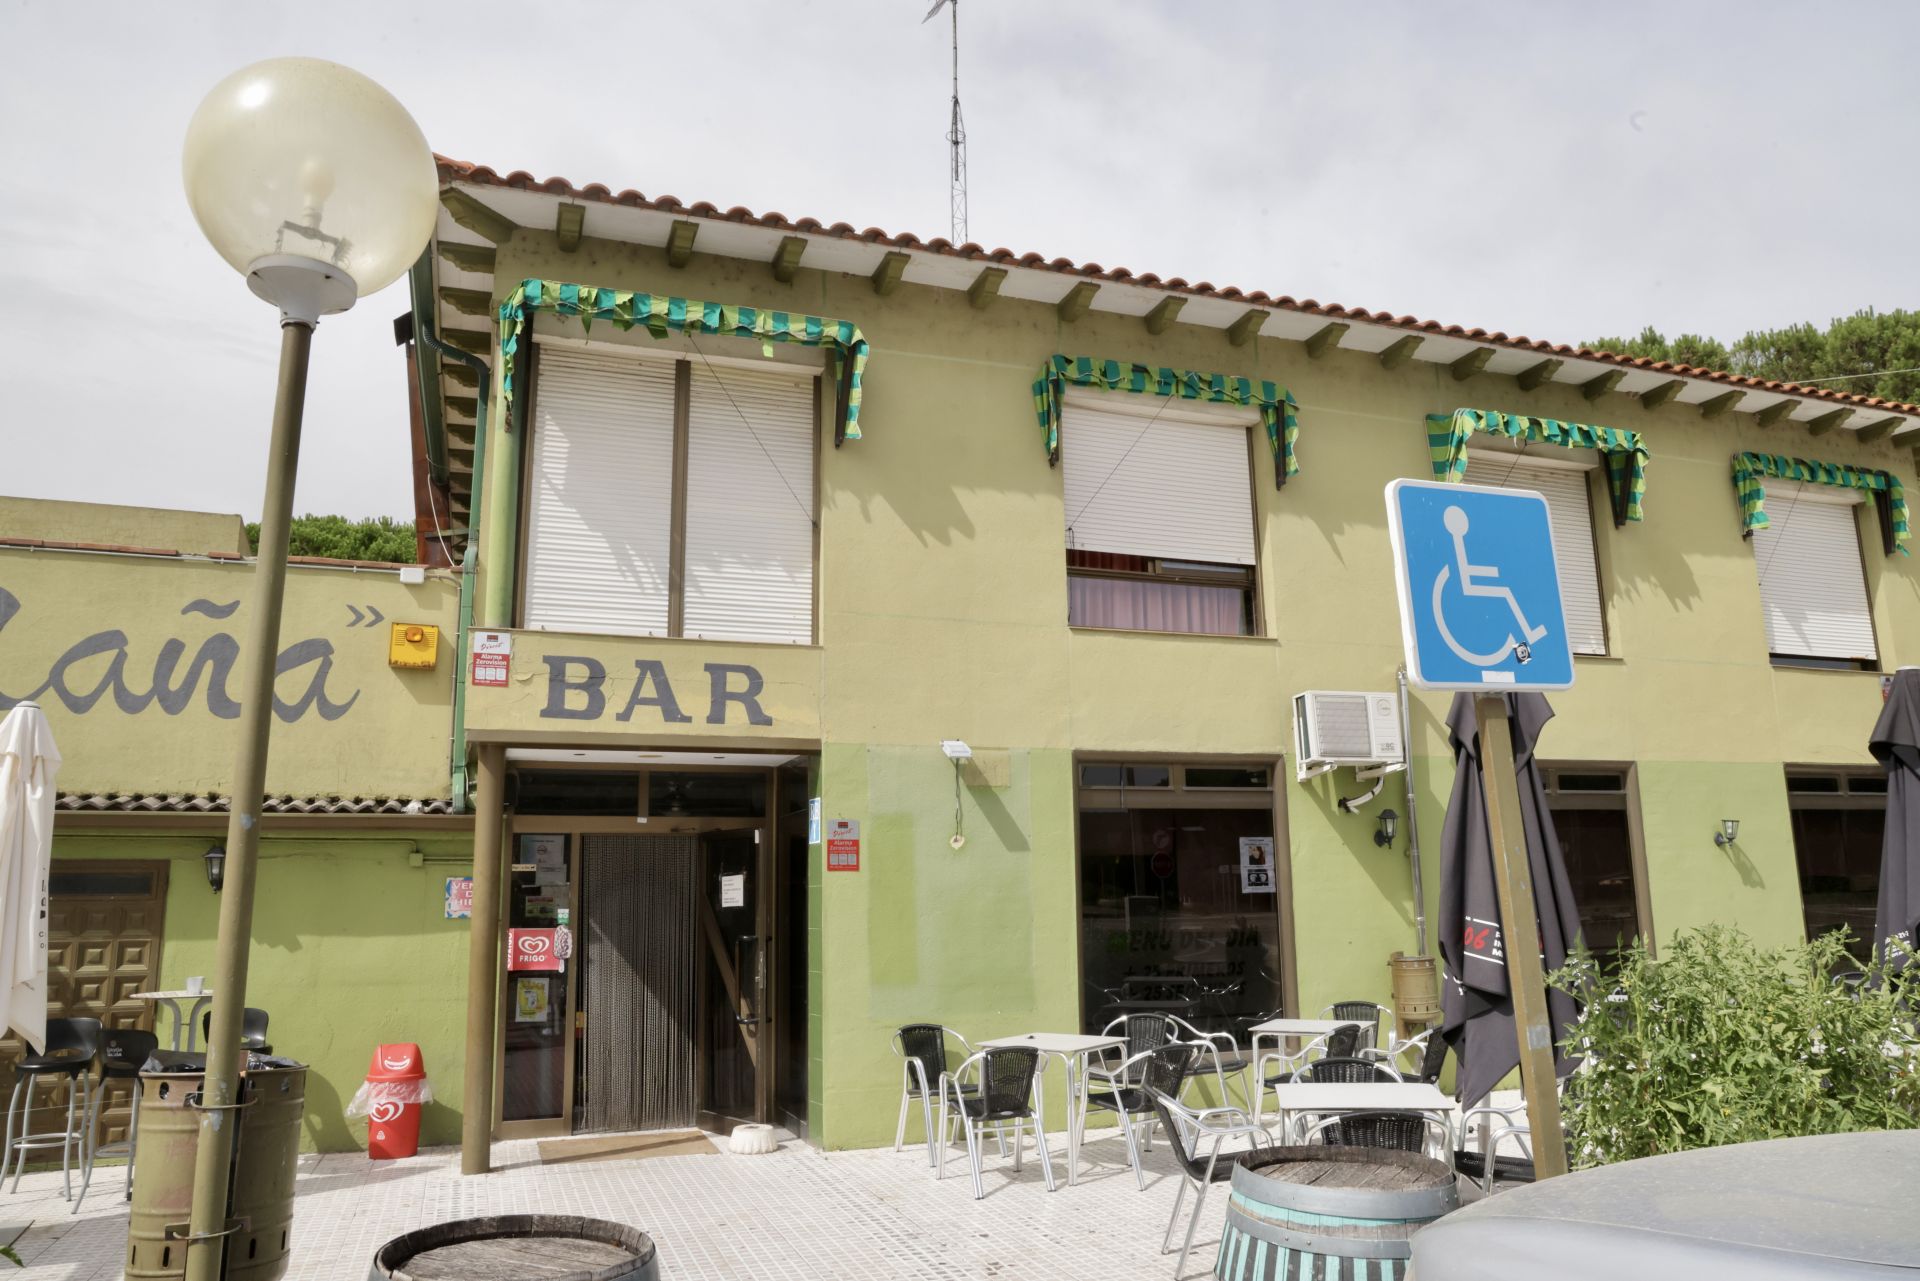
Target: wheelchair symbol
(1479, 580)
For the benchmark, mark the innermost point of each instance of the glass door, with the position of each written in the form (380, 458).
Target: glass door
(537, 1017)
(734, 1070)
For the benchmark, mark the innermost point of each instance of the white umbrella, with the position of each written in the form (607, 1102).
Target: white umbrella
(28, 763)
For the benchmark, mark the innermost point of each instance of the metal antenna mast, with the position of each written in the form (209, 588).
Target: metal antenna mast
(956, 132)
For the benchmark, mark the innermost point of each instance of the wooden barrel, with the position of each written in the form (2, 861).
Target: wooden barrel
(1332, 1212)
(508, 1247)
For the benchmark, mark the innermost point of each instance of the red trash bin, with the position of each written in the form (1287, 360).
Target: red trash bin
(396, 1089)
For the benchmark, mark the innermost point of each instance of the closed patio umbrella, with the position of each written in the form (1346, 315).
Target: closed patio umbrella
(1896, 745)
(1476, 1004)
(28, 763)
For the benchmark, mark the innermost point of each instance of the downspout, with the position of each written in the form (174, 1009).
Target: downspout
(423, 330)
(1413, 823)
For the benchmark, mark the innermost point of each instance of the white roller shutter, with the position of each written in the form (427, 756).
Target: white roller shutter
(1813, 590)
(599, 525)
(1176, 486)
(749, 505)
(1570, 507)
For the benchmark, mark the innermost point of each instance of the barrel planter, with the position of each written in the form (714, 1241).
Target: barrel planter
(1330, 1212)
(260, 1196)
(508, 1247)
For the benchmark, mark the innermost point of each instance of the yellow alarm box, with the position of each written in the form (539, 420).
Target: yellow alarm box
(415, 645)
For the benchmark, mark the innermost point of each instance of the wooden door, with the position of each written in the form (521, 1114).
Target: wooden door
(103, 945)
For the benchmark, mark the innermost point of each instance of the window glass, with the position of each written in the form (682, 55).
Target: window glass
(1168, 921)
(1836, 847)
(1599, 859)
(581, 792)
(1594, 782)
(693, 795)
(533, 1066)
(1136, 593)
(100, 884)
(1226, 776)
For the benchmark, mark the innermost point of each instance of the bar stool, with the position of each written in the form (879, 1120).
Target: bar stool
(122, 1054)
(73, 1049)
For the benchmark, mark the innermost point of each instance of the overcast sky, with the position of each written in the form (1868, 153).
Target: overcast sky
(1557, 170)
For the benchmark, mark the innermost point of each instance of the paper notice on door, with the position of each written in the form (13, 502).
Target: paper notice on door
(530, 1000)
(1256, 865)
(733, 891)
(548, 855)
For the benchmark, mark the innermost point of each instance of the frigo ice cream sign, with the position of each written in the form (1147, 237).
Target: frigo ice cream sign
(138, 664)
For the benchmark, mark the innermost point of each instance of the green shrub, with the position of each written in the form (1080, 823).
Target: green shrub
(1722, 1041)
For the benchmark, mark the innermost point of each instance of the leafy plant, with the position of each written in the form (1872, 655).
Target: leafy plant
(378, 538)
(1723, 1041)
(1873, 353)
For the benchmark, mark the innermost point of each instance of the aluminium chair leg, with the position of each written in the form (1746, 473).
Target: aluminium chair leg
(926, 1122)
(66, 1142)
(1133, 1150)
(26, 1132)
(1199, 1201)
(1040, 1142)
(976, 1139)
(20, 1080)
(900, 1129)
(88, 1138)
(133, 1137)
(1018, 1122)
(1166, 1241)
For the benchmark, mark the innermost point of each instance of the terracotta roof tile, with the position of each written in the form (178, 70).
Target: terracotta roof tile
(208, 803)
(481, 175)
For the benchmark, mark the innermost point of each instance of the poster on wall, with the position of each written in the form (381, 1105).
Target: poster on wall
(1256, 865)
(530, 1001)
(547, 856)
(459, 898)
(492, 656)
(843, 845)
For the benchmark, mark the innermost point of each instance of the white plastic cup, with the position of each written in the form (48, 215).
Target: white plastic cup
(196, 985)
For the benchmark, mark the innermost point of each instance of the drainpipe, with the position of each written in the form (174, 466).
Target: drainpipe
(423, 330)
(1413, 823)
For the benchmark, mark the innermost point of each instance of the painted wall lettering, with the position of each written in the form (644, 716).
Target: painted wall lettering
(577, 691)
(95, 667)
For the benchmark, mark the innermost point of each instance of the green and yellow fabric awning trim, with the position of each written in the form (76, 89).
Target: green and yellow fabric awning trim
(660, 314)
(1278, 412)
(1624, 452)
(1749, 468)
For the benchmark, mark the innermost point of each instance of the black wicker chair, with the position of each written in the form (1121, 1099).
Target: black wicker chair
(1164, 1069)
(1341, 1043)
(1008, 1090)
(922, 1048)
(1365, 1013)
(1188, 1130)
(1397, 1131)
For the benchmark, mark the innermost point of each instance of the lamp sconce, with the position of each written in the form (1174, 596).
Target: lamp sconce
(1729, 832)
(216, 857)
(1389, 825)
(957, 751)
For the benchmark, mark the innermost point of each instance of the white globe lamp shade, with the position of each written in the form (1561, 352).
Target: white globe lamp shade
(311, 180)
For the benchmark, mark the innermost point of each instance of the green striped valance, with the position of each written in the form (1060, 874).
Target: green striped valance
(659, 314)
(1888, 496)
(1623, 452)
(1278, 412)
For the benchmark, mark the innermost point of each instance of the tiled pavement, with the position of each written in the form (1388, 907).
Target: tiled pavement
(798, 1213)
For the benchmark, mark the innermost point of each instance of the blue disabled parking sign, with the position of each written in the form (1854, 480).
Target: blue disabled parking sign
(1479, 587)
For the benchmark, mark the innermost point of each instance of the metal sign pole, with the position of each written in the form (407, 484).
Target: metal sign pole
(1520, 935)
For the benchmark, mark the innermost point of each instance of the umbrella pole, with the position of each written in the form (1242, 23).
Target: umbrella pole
(218, 1105)
(1520, 933)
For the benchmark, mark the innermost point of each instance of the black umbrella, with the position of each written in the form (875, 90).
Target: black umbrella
(1896, 745)
(1476, 1004)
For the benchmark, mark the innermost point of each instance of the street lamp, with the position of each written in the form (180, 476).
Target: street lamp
(312, 181)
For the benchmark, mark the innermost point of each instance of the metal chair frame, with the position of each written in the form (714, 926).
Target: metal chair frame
(1220, 1072)
(1196, 1125)
(84, 1033)
(138, 1039)
(914, 1083)
(951, 1089)
(1492, 1135)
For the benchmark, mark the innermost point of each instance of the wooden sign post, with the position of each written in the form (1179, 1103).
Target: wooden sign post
(1520, 935)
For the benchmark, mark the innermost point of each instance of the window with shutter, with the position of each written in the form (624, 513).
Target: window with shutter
(1570, 507)
(1159, 513)
(1813, 588)
(607, 552)
(600, 497)
(749, 505)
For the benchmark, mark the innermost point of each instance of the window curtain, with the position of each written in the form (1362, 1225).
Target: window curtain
(1889, 497)
(1278, 412)
(660, 314)
(1623, 452)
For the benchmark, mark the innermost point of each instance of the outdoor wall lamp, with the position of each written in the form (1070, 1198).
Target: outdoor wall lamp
(315, 184)
(1728, 833)
(1389, 824)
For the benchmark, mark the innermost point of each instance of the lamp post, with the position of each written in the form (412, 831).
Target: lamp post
(313, 182)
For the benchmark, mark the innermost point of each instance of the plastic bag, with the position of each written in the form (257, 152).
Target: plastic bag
(372, 1093)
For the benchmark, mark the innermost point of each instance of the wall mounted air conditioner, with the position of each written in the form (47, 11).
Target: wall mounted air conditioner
(1336, 727)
